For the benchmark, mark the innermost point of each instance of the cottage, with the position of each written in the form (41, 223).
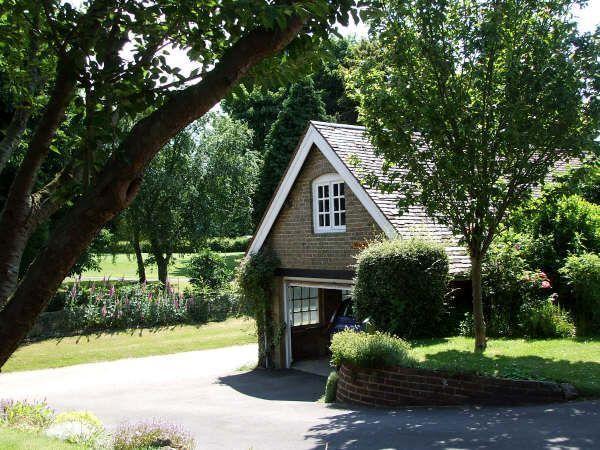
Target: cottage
(319, 218)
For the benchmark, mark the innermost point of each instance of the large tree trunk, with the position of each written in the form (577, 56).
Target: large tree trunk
(141, 268)
(119, 181)
(478, 319)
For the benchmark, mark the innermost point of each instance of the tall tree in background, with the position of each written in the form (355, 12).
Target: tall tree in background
(477, 101)
(302, 104)
(258, 107)
(224, 177)
(97, 84)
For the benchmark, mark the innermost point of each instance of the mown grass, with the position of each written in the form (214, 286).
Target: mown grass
(130, 344)
(565, 360)
(11, 439)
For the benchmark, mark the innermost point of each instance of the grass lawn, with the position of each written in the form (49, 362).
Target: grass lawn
(565, 360)
(132, 343)
(11, 439)
(124, 266)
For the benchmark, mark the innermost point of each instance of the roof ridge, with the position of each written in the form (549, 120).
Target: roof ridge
(338, 125)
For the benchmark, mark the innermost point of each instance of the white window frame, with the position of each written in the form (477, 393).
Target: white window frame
(327, 180)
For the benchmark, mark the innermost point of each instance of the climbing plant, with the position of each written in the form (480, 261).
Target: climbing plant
(255, 281)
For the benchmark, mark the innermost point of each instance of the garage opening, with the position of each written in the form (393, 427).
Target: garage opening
(310, 311)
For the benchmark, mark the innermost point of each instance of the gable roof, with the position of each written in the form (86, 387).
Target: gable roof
(343, 145)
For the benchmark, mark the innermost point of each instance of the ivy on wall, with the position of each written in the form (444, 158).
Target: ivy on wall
(255, 280)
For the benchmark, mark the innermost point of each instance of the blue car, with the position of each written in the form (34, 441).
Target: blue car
(343, 319)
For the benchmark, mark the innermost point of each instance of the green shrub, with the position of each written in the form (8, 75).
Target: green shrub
(545, 319)
(331, 387)
(228, 244)
(25, 415)
(401, 286)
(369, 350)
(209, 271)
(152, 435)
(582, 275)
(560, 227)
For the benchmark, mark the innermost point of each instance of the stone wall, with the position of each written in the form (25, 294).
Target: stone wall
(401, 386)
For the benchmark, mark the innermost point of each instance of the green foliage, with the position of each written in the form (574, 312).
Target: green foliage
(79, 427)
(366, 350)
(228, 245)
(80, 416)
(209, 271)
(583, 181)
(545, 319)
(582, 274)
(255, 281)
(146, 435)
(25, 415)
(301, 105)
(559, 227)
(401, 286)
(331, 387)
(104, 306)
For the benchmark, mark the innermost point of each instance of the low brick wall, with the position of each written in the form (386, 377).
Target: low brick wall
(401, 386)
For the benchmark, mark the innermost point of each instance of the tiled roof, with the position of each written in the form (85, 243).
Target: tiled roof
(351, 144)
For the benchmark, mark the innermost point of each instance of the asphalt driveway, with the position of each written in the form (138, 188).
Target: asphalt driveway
(227, 408)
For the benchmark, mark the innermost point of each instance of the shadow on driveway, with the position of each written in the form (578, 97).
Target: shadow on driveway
(282, 385)
(564, 426)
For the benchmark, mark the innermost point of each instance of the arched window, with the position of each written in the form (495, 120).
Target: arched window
(329, 204)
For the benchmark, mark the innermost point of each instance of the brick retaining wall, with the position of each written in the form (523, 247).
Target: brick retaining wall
(399, 386)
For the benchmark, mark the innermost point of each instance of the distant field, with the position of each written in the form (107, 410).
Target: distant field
(124, 266)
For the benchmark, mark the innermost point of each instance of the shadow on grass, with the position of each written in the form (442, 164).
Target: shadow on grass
(280, 385)
(554, 426)
(584, 375)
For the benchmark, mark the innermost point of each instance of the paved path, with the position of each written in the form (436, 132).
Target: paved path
(229, 409)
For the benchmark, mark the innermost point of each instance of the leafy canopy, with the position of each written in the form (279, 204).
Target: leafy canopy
(476, 100)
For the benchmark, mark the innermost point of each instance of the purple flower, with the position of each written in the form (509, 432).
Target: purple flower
(103, 311)
(111, 292)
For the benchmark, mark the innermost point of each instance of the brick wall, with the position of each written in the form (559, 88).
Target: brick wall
(292, 237)
(410, 387)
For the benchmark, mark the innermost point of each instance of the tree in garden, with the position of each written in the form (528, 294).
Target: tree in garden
(158, 213)
(475, 101)
(128, 105)
(302, 104)
(224, 176)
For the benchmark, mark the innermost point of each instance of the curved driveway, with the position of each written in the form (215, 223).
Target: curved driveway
(226, 408)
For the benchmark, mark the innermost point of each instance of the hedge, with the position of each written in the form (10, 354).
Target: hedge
(401, 285)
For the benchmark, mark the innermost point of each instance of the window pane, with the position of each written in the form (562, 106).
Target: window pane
(305, 317)
(327, 221)
(320, 189)
(313, 304)
(305, 304)
(305, 292)
(326, 204)
(336, 219)
(297, 292)
(313, 292)
(297, 304)
(297, 319)
(314, 317)
(321, 220)
(336, 204)
(335, 189)
(342, 204)
(320, 205)
(343, 219)
(326, 190)
(341, 188)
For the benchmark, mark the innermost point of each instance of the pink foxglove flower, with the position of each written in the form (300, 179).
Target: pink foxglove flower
(546, 284)
(103, 311)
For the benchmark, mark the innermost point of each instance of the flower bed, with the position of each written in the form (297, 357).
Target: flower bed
(401, 386)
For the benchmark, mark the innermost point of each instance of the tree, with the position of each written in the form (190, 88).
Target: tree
(159, 211)
(475, 102)
(129, 105)
(302, 104)
(224, 176)
(258, 107)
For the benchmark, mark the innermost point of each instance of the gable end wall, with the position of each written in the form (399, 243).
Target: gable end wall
(292, 237)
